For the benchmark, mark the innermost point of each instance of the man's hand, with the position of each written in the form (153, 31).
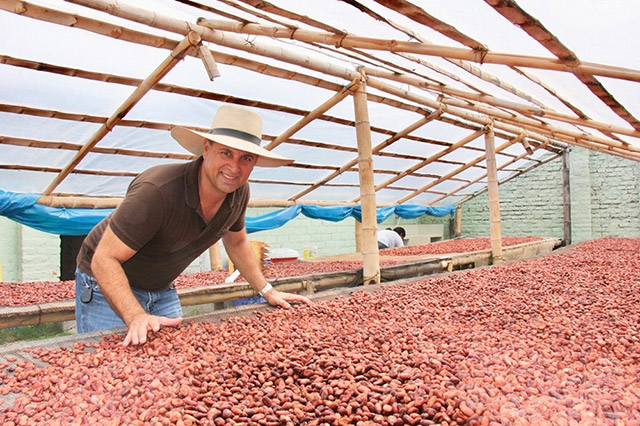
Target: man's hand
(141, 323)
(281, 299)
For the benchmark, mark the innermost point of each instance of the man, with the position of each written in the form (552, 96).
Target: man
(169, 216)
(388, 238)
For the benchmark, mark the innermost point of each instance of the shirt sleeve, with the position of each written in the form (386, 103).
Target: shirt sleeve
(139, 216)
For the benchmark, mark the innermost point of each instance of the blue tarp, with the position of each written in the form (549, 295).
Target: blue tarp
(23, 208)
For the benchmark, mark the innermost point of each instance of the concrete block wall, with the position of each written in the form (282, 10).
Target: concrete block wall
(615, 207)
(580, 186)
(40, 255)
(327, 238)
(604, 200)
(27, 254)
(530, 205)
(10, 250)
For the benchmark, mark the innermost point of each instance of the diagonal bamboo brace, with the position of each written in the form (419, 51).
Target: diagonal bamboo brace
(191, 40)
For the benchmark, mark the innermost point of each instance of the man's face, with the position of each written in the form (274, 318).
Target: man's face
(226, 169)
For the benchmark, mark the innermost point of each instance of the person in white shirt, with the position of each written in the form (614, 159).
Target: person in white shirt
(388, 238)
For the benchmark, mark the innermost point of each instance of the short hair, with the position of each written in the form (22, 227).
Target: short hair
(400, 231)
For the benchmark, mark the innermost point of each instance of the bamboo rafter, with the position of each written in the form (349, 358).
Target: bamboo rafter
(298, 34)
(200, 94)
(481, 74)
(156, 20)
(190, 41)
(516, 15)
(500, 168)
(376, 149)
(452, 105)
(169, 24)
(470, 68)
(431, 159)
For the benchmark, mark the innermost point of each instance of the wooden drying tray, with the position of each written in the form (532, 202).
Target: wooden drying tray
(413, 266)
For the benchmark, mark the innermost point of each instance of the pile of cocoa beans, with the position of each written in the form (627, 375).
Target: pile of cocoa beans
(36, 292)
(546, 341)
(454, 246)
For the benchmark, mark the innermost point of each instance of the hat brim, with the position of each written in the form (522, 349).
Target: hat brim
(192, 141)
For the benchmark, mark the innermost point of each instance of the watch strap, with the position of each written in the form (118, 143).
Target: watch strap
(265, 289)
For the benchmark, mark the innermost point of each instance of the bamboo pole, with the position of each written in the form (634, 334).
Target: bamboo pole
(535, 29)
(7, 140)
(525, 109)
(68, 201)
(457, 220)
(401, 134)
(370, 255)
(353, 41)
(494, 199)
(429, 160)
(312, 115)
(173, 25)
(169, 24)
(214, 257)
(566, 198)
(191, 40)
(456, 171)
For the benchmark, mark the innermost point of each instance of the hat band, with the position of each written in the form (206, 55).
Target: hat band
(239, 134)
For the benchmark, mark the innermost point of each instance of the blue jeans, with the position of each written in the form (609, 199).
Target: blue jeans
(97, 314)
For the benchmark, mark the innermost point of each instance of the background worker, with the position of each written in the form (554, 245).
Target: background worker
(170, 215)
(388, 238)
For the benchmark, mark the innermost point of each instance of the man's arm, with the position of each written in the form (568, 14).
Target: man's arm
(106, 267)
(244, 259)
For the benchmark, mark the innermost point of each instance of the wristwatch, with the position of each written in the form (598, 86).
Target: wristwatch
(265, 289)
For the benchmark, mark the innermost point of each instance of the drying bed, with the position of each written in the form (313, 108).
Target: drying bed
(35, 292)
(551, 340)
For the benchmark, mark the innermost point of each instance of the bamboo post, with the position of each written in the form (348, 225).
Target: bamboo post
(358, 232)
(399, 135)
(370, 255)
(214, 257)
(566, 198)
(191, 40)
(457, 222)
(494, 200)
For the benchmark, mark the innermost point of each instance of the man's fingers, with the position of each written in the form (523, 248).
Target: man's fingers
(302, 299)
(137, 333)
(171, 322)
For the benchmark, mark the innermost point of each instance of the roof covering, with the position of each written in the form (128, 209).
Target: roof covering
(90, 88)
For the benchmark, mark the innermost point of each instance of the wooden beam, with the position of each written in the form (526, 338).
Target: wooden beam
(347, 40)
(426, 161)
(371, 260)
(190, 41)
(310, 116)
(378, 148)
(494, 199)
(566, 198)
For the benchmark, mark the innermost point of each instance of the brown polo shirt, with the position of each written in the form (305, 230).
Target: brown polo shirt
(161, 219)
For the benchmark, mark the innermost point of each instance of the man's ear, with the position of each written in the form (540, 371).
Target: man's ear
(206, 147)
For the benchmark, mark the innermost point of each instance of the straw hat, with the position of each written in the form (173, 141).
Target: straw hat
(236, 128)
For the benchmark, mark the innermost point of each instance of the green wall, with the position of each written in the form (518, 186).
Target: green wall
(604, 200)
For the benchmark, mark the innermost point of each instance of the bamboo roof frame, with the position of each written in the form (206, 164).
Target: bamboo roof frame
(473, 110)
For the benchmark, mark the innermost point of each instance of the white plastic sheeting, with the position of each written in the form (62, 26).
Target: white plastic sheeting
(602, 32)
